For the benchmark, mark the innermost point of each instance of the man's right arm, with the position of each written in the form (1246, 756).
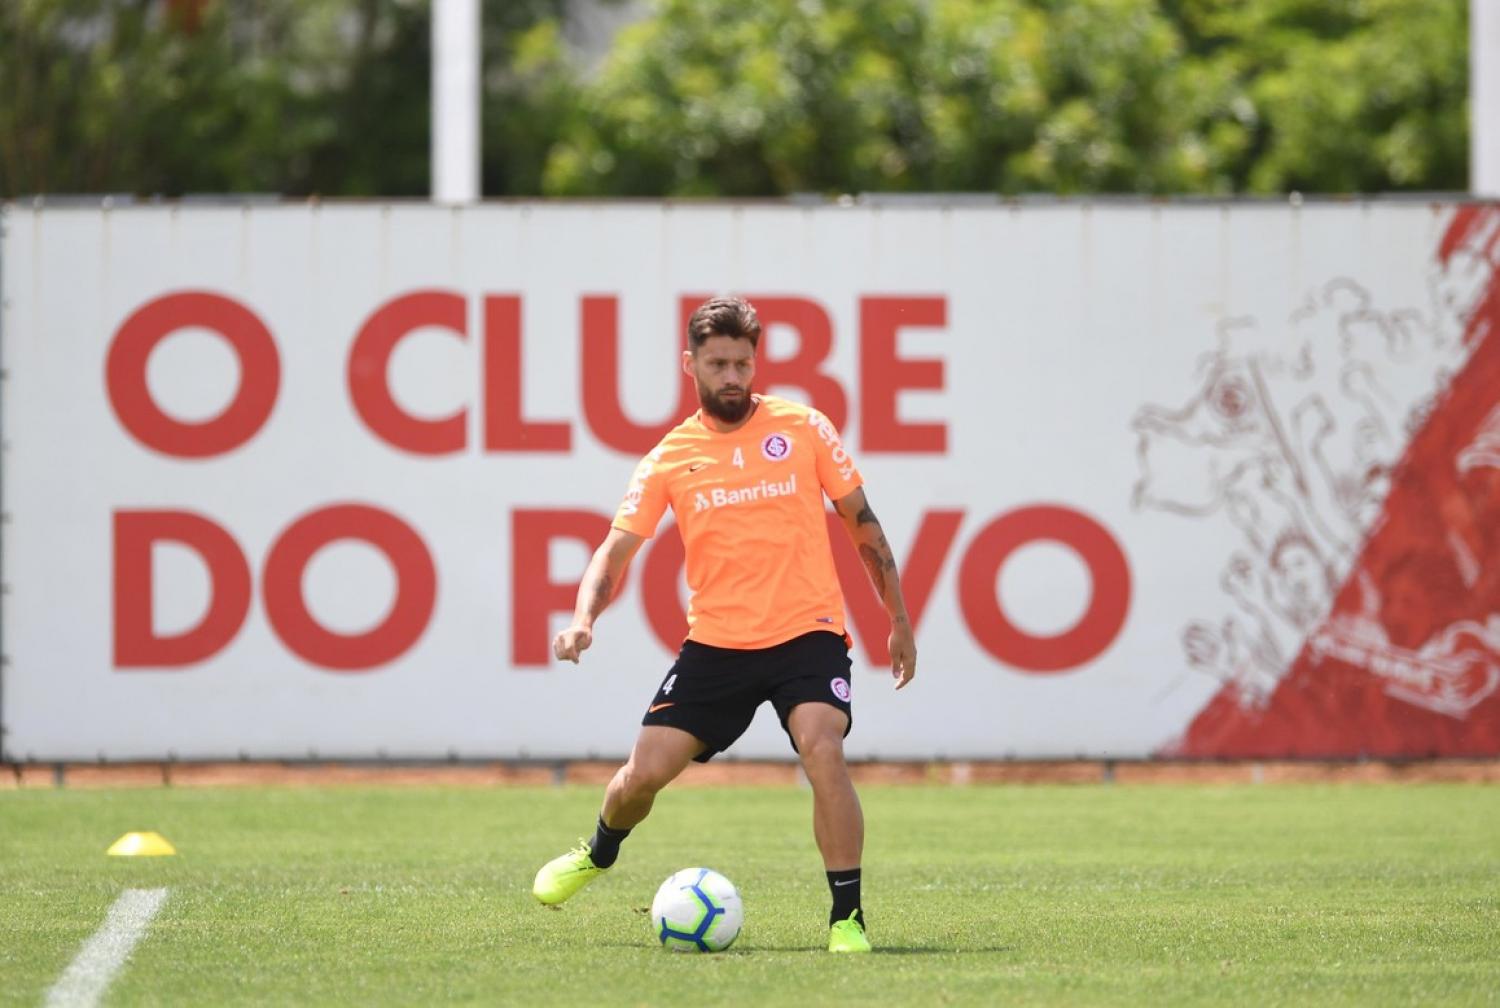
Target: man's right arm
(601, 581)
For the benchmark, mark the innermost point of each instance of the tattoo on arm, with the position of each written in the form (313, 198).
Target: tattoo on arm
(864, 516)
(603, 589)
(878, 560)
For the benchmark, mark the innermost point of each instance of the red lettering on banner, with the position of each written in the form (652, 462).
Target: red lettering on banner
(601, 384)
(661, 574)
(869, 623)
(882, 374)
(505, 429)
(369, 365)
(534, 595)
(804, 369)
(130, 395)
(286, 608)
(1101, 621)
(136, 642)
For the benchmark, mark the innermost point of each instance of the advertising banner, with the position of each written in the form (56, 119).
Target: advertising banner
(1205, 480)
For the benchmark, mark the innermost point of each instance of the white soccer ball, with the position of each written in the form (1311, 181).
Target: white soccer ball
(697, 910)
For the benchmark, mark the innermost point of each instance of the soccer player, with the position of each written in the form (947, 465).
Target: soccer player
(745, 477)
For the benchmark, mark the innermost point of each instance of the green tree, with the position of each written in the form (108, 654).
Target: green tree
(1340, 95)
(1089, 96)
(285, 96)
(292, 96)
(715, 97)
(720, 97)
(530, 92)
(712, 97)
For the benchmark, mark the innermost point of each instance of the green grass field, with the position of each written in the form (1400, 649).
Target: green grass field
(1354, 895)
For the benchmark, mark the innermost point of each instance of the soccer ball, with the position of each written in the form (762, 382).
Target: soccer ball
(697, 910)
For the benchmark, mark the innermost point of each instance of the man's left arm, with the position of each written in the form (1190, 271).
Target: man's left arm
(869, 539)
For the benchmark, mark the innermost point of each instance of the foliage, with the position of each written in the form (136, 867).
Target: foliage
(716, 97)
(1091, 96)
(530, 92)
(292, 96)
(289, 96)
(1344, 95)
(724, 98)
(1152, 96)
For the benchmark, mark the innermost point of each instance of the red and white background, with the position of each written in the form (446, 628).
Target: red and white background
(1197, 480)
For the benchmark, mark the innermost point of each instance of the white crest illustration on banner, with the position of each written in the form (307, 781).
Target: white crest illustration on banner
(1293, 433)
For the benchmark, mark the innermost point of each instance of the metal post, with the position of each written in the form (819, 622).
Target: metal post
(1484, 98)
(455, 101)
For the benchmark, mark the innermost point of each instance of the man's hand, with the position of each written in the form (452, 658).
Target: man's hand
(605, 572)
(571, 643)
(903, 647)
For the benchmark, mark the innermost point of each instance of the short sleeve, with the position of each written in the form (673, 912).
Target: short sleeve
(646, 499)
(836, 470)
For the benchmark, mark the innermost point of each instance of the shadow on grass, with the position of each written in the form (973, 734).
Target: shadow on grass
(905, 950)
(889, 950)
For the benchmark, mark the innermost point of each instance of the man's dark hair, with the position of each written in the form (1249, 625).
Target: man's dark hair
(724, 316)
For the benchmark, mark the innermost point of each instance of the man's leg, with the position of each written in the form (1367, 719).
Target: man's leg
(838, 823)
(659, 755)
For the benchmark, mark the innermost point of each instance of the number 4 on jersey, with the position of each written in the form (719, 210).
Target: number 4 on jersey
(739, 458)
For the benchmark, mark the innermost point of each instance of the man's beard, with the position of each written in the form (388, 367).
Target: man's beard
(725, 411)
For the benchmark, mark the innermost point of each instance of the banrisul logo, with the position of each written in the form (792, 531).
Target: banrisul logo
(764, 490)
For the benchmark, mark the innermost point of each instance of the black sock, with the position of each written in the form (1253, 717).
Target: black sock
(606, 844)
(845, 888)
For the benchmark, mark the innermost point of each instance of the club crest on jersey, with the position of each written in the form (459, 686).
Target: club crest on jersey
(840, 689)
(776, 447)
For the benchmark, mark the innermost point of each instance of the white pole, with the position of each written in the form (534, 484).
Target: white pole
(1484, 98)
(455, 101)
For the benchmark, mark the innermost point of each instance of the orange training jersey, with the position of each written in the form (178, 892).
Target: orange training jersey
(749, 505)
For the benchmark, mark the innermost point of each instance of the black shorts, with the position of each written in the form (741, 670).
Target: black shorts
(712, 693)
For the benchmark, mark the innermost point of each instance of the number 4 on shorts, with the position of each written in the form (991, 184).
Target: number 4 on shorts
(666, 687)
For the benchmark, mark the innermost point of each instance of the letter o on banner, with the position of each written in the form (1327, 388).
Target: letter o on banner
(660, 575)
(1109, 601)
(286, 608)
(129, 394)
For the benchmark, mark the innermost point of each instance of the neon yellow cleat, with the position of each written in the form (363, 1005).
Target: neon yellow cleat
(848, 936)
(563, 876)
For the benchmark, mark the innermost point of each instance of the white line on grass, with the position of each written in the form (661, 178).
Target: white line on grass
(102, 956)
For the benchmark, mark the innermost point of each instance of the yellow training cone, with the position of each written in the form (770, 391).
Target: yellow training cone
(146, 844)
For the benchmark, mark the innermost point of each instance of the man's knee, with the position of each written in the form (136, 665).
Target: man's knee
(660, 754)
(640, 778)
(821, 747)
(818, 732)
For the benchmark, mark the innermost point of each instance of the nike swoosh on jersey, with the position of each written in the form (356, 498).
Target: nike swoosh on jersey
(661, 706)
(695, 468)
